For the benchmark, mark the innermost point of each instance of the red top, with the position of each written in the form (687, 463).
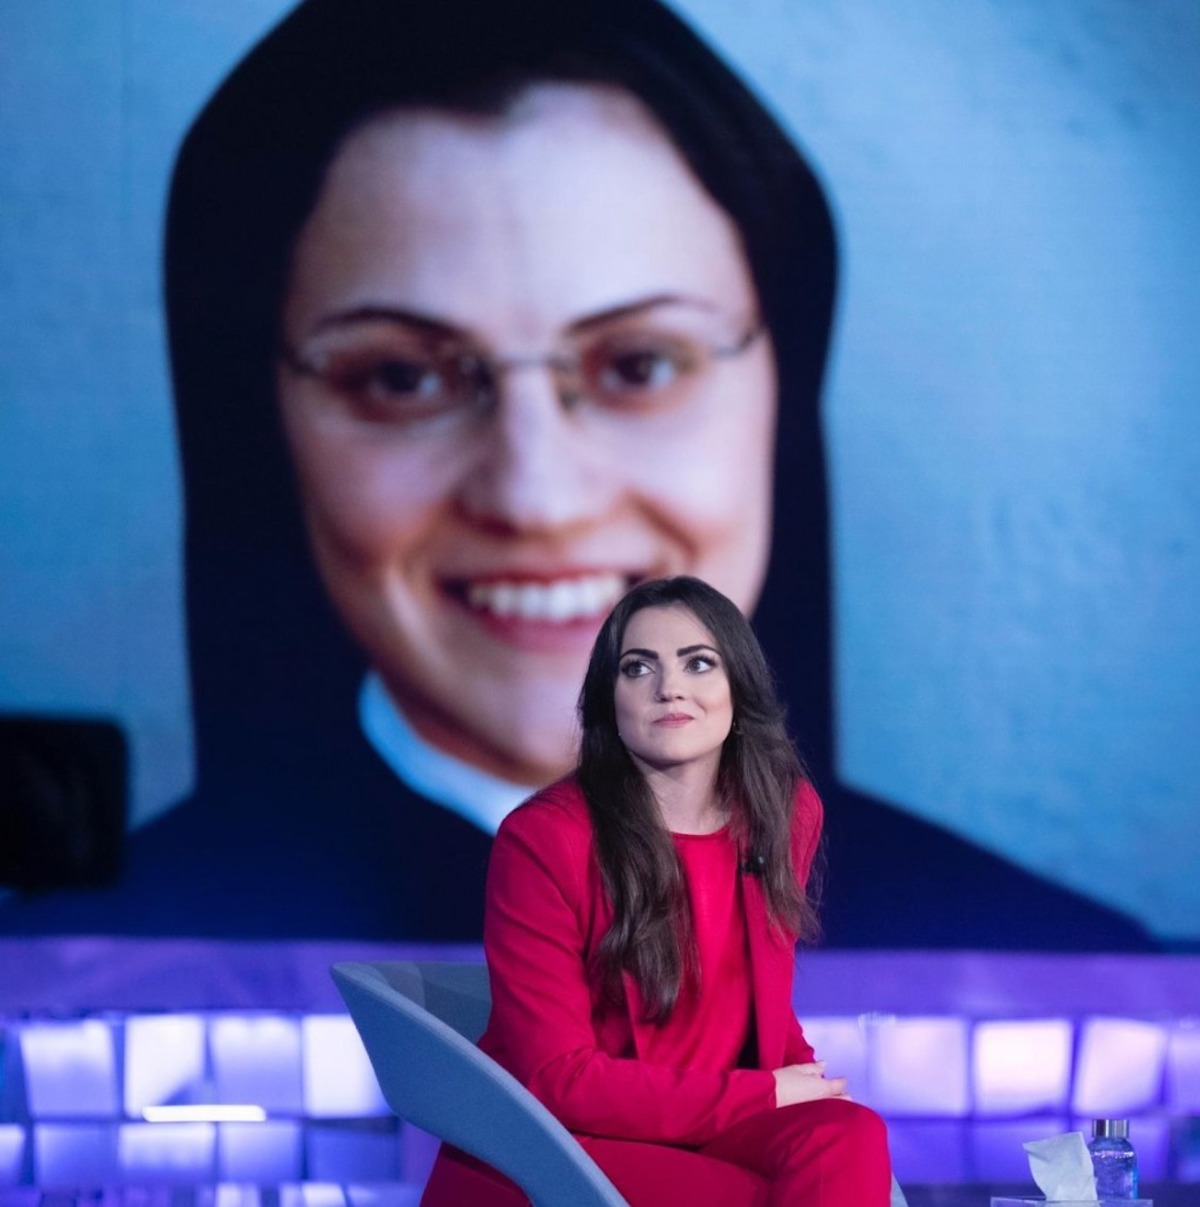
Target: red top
(711, 1021)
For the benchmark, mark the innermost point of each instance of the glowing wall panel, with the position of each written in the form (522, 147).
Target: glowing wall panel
(1183, 1068)
(842, 1044)
(1021, 1066)
(12, 1153)
(258, 1059)
(919, 1066)
(1119, 1067)
(179, 1153)
(338, 1079)
(165, 1061)
(70, 1069)
(266, 1153)
(75, 1154)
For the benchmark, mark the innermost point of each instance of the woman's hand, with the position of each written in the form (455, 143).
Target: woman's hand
(806, 1083)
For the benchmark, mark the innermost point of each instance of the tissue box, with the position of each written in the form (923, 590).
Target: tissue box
(1005, 1200)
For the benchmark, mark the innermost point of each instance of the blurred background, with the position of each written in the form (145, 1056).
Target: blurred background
(1010, 418)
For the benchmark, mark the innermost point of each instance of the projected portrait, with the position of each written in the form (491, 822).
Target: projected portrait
(479, 314)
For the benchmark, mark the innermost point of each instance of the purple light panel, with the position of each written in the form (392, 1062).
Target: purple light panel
(70, 1069)
(339, 1082)
(75, 1154)
(173, 1153)
(266, 1153)
(165, 1061)
(918, 1066)
(258, 1059)
(12, 1153)
(1183, 1068)
(842, 1044)
(311, 1194)
(1021, 1066)
(1119, 1069)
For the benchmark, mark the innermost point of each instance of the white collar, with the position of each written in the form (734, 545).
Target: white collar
(481, 799)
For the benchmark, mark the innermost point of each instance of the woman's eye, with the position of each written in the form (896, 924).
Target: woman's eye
(405, 386)
(628, 368)
(701, 662)
(634, 669)
(391, 380)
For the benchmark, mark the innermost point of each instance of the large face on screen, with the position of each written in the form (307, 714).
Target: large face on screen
(524, 371)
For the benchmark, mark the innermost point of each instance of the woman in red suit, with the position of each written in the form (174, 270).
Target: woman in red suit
(640, 925)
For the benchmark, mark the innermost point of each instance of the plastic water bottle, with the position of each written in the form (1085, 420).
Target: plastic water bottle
(1113, 1159)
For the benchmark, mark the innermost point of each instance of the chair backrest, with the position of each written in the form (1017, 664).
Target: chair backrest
(418, 1022)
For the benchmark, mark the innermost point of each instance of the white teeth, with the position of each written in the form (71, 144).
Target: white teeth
(504, 601)
(559, 602)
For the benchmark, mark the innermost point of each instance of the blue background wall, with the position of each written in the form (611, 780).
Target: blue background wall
(1011, 414)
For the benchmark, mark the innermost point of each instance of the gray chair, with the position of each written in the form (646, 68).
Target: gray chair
(419, 1022)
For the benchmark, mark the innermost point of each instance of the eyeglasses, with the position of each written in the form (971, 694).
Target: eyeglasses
(393, 369)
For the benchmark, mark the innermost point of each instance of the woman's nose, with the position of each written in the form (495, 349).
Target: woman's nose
(536, 470)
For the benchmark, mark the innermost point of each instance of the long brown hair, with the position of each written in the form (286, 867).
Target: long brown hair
(651, 936)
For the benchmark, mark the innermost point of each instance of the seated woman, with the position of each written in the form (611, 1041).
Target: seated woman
(641, 920)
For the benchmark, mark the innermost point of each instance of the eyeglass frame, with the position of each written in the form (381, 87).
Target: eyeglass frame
(560, 365)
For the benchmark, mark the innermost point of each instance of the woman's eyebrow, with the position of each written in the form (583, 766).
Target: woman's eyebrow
(388, 314)
(685, 650)
(641, 653)
(633, 309)
(429, 325)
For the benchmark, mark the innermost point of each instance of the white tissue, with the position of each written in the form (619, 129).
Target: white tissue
(1062, 1168)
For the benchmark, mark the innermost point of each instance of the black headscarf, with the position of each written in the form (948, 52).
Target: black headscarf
(271, 665)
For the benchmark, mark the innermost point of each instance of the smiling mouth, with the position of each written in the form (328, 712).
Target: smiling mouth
(587, 597)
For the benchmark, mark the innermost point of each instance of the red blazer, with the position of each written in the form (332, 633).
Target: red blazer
(546, 914)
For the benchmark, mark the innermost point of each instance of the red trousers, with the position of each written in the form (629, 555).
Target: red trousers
(830, 1153)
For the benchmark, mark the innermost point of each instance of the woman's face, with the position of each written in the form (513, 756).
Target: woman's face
(672, 699)
(474, 521)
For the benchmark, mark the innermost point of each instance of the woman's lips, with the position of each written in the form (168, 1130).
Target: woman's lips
(673, 720)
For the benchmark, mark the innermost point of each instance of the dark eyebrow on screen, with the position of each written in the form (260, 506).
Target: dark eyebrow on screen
(641, 653)
(629, 310)
(389, 314)
(441, 329)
